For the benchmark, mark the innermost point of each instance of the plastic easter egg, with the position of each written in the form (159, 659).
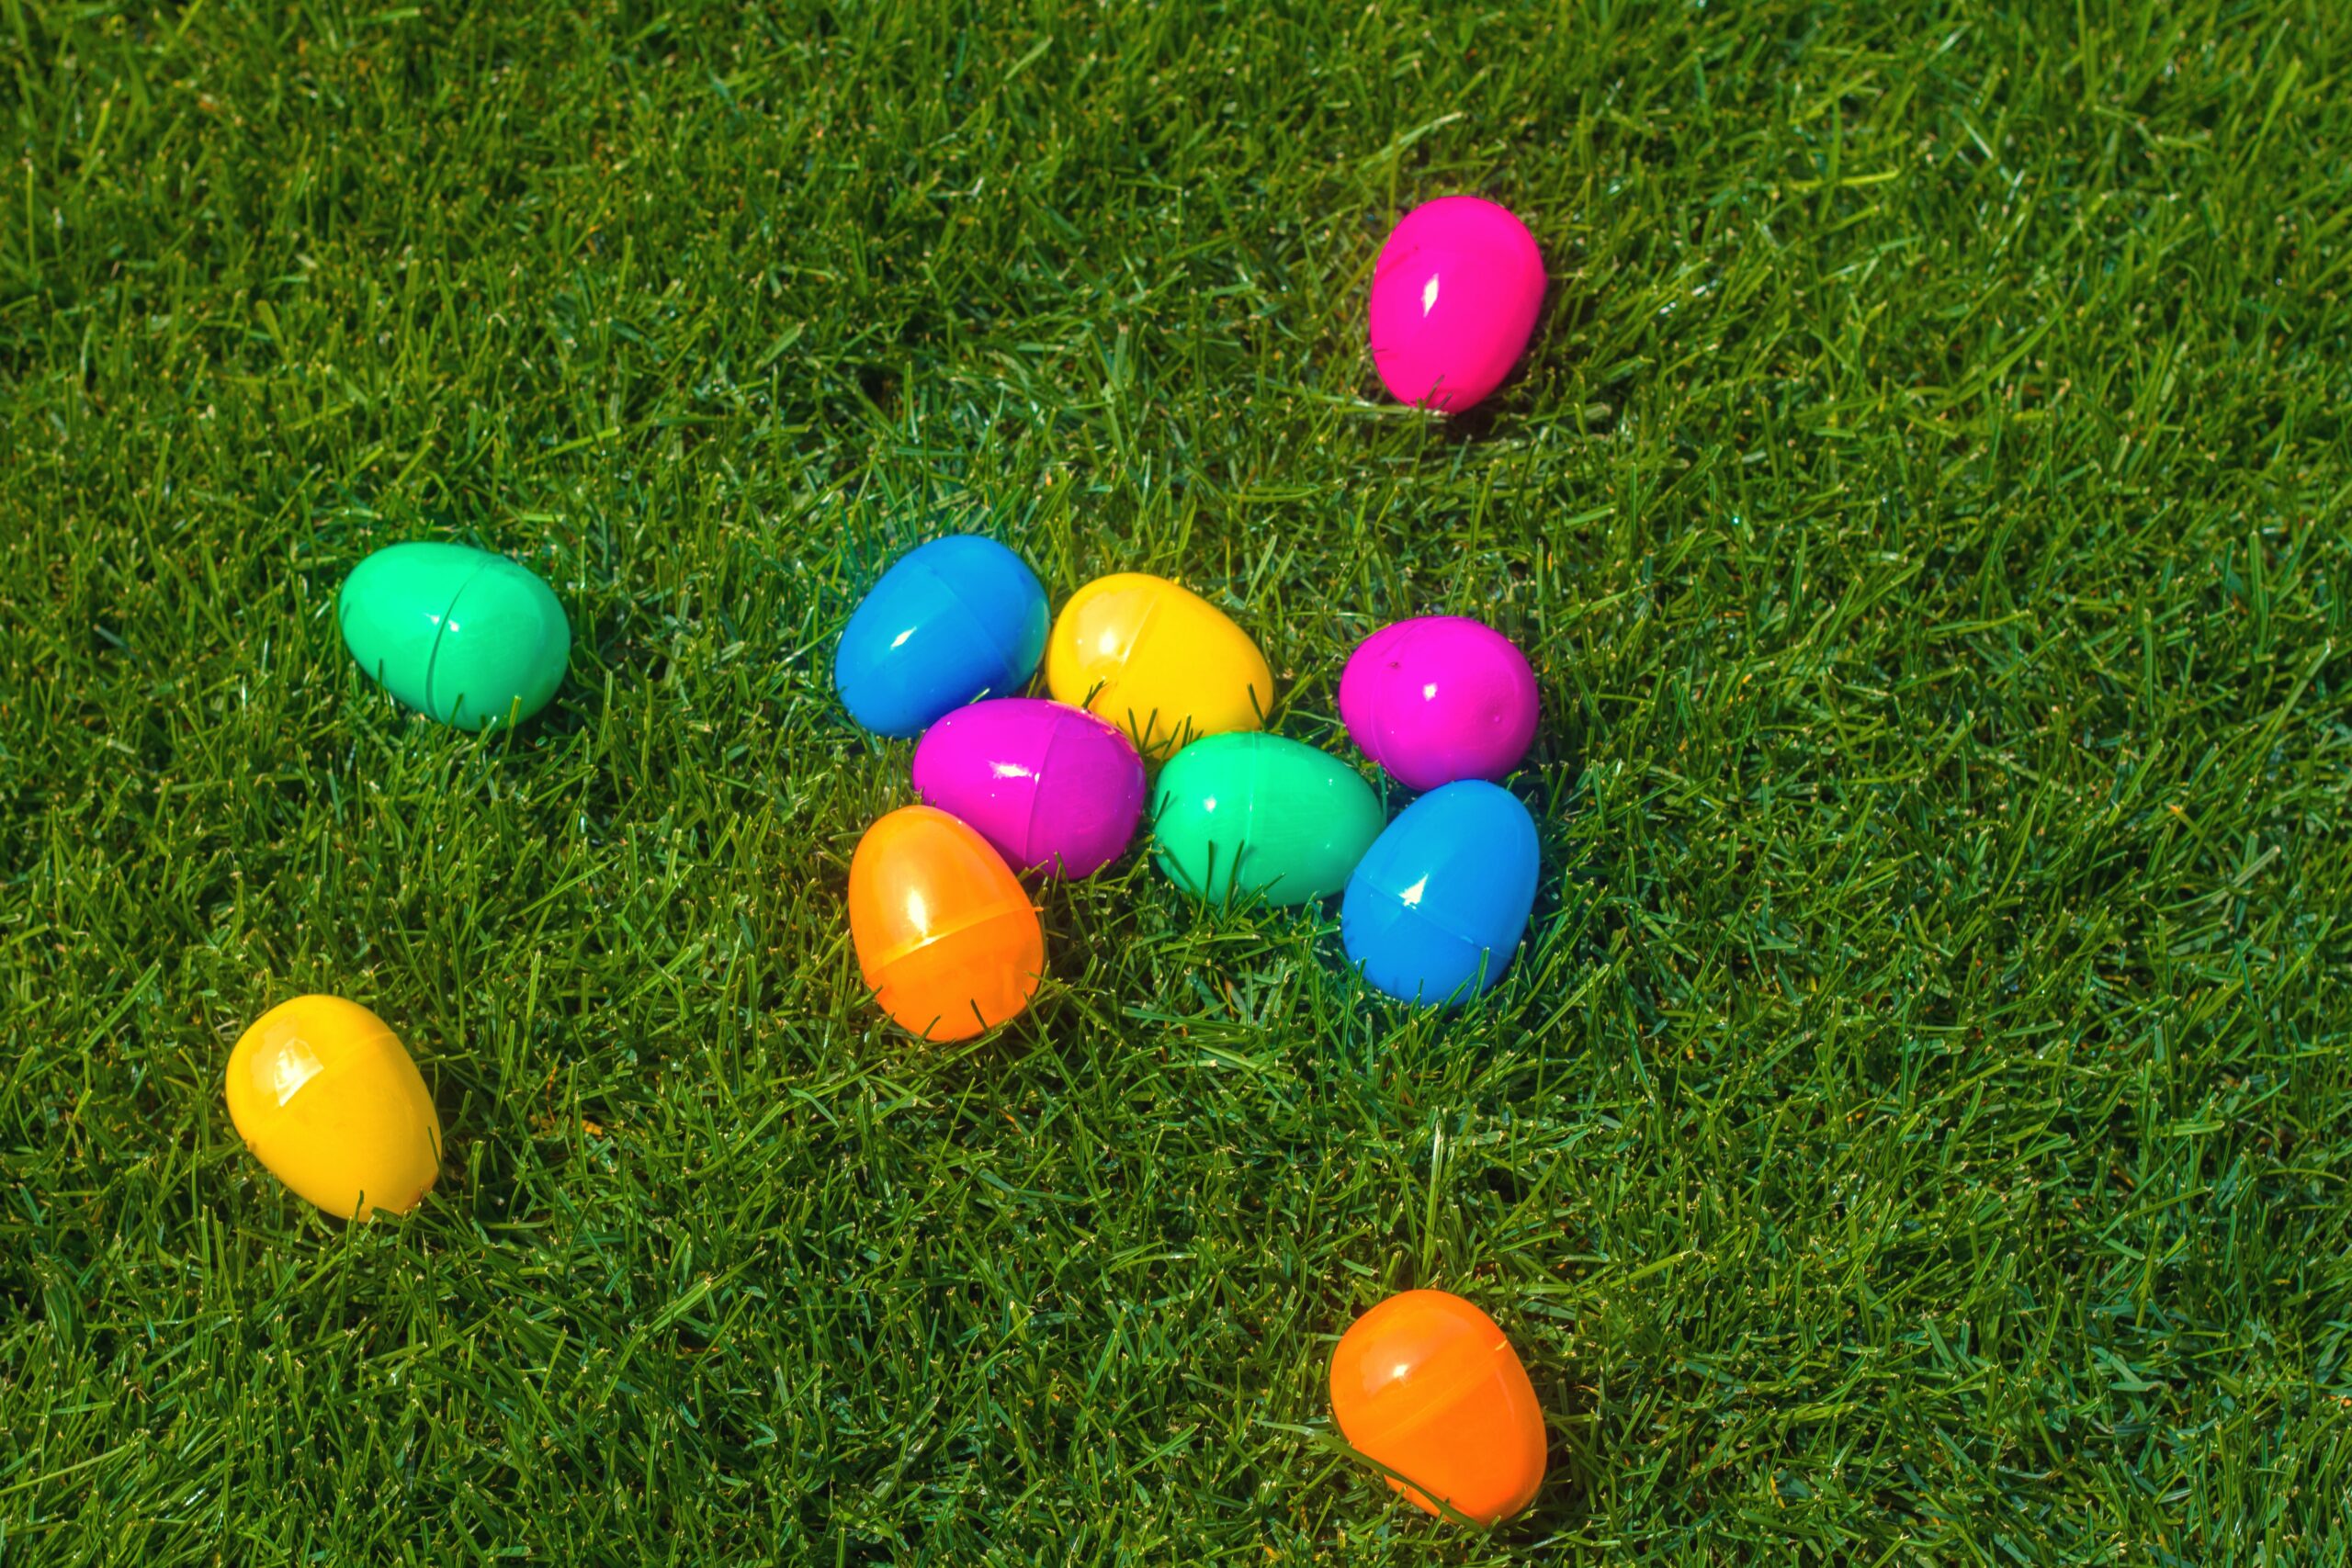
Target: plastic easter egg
(955, 619)
(1437, 699)
(1426, 1384)
(1454, 296)
(1159, 659)
(945, 937)
(325, 1096)
(1051, 787)
(468, 637)
(1437, 906)
(1260, 813)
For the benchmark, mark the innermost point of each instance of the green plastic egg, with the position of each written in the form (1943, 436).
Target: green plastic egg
(469, 637)
(1258, 814)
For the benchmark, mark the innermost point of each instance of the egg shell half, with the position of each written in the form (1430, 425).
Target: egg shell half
(1158, 660)
(468, 637)
(1455, 293)
(327, 1098)
(1426, 1384)
(1439, 698)
(945, 937)
(1051, 787)
(1436, 907)
(1263, 815)
(955, 619)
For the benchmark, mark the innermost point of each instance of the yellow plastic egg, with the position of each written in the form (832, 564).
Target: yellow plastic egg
(1159, 660)
(325, 1096)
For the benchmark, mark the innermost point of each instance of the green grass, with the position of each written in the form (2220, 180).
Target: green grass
(1916, 1132)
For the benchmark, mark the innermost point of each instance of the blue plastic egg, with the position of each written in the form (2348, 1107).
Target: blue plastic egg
(955, 619)
(1437, 906)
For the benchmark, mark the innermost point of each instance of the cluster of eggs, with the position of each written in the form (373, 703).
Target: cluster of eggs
(1137, 667)
(1433, 904)
(1432, 908)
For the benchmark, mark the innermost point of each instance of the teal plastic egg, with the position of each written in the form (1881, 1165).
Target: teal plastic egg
(467, 637)
(1254, 813)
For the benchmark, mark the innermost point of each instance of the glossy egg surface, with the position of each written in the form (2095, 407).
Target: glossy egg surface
(1159, 661)
(1426, 1384)
(1455, 293)
(468, 637)
(1436, 907)
(1051, 787)
(1258, 814)
(1439, 698)
(326, 1097)
(953, 620)
(945, 936)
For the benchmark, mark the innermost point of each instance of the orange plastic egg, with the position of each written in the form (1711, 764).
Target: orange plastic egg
(1426, 1384)
(945, 935)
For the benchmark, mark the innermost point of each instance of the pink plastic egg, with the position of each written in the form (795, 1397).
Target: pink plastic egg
(1437, 699)
(1050, 787)
(1454, 296)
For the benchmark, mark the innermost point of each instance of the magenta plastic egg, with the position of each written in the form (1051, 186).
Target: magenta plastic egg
(1051, 788)
(1454, 296)
(1439, 698)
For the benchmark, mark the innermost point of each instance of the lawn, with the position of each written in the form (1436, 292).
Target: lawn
(1916, 1131)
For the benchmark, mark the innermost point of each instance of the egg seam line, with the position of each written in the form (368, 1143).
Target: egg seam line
(440, 635)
